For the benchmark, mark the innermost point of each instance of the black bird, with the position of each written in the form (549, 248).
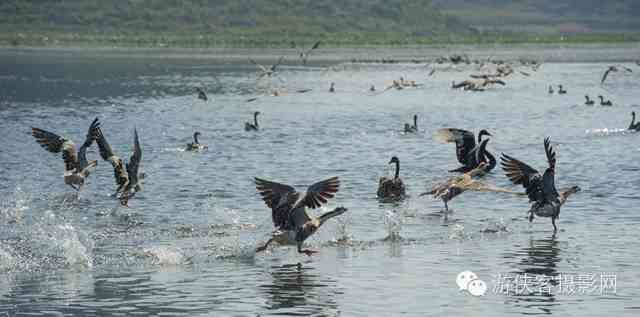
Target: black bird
(613, 69)
(126, 175)
(392, 188)
(605, 103)
(332, 87)
(469, 154)
(588, 101)
(76, 166)
(288, 210)
(248, 126)
(201, 94)
(195, 145)
(634, 125)
(412, 128)
(561, 90)
(550, 90)
(546, 200)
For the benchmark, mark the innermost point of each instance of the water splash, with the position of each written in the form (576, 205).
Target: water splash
(76, 249)
(393, 224)
(163, 256)
(607, 132)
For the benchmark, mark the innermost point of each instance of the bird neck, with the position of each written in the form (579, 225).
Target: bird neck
(255, 119)
(415, 123)
(397, 169)
(633, 121)
(195, 138)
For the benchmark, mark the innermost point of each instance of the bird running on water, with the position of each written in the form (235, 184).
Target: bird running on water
(289, 210)
(541, 189)
(76, 166)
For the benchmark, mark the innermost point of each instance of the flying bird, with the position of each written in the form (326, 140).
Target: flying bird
(267, 71)
(289, 210)
(127, 175)
(613, 69)
(469, 153)
(76, 166)
(304, 54)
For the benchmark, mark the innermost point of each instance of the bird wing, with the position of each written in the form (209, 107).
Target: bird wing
(264, 69)
(54, 144)
(82, 152)
(134, 160)
(105, 149)
(273, 68)
(604, 77)
(279, 197)
(316, 45)
(522, 174)
(465, 141)
(318, 193)
(548, 179)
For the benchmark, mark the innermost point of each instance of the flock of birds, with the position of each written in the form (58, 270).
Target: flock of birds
(289, 207)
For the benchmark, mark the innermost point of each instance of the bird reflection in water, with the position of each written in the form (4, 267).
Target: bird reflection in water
(536, 278)
(298, 290)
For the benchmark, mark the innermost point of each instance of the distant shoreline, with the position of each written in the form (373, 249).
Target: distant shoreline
(607, 52)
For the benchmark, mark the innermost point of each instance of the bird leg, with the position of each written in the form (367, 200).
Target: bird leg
(76, 188)
(553, 222)
(264, 247)
(446, 206)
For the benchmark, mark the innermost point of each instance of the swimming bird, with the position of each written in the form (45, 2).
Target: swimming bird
(372, 88)
(546, 200)
(412, 128)
(469, 154)
(550, 90)
(457, 185)
(248, 126)
(605, 103)
(588, 101)
(127, 175)
(561, 90)
(392, 188)
(195, 145)
(332, 88)
(267, 71)
(201, 94)
(304, 54)
(634, 125)
(288, 210)
(76, 166)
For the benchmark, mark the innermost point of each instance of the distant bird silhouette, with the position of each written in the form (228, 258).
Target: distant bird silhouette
(248, 126)
(588, 101)
(605, 103)
(201, 94)
(613, 69)
(546, 200)
(634, 125)
(76, 166)
(332, 88)
(288, 210)
(561, 90)
(267, 71)
(550, 90)
(412, 128)
(195, 145)
(304, 54)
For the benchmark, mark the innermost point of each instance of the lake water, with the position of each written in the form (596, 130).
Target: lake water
(186, 244)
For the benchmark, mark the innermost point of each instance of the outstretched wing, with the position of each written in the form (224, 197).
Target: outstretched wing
(273, 68)
(279, 197)
(522, 174)
(319, 193)
(465, 142)
(262, 68)
(316, 45)
(134, 160)
(548, 179)
(82, 152)
(604, 77)
(105, 149)
(55, 144)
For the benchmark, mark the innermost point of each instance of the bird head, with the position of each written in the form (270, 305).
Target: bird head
(196, 134)
(394, 160)
(484, 132)
(255, 114)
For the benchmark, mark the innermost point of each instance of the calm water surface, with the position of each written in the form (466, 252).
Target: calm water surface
(185, 245)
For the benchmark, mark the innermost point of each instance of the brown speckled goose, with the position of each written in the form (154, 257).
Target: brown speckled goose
(392, 188)
(289, 210)
(76, 166)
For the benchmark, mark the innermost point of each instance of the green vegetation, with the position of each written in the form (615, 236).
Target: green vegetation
(253, 23)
